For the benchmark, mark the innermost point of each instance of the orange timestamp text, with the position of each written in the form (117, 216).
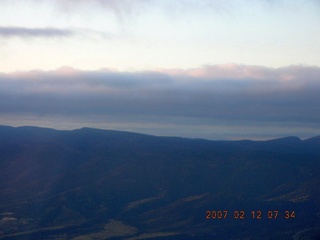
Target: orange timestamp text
(256, 214)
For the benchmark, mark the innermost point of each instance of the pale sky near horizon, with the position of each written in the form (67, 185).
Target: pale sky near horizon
(149, 34)
(163, 67)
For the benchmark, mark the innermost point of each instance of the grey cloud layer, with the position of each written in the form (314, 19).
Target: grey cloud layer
(224, 93)
(34, 32)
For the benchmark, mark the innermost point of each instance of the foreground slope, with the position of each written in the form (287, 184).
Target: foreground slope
(98, 184)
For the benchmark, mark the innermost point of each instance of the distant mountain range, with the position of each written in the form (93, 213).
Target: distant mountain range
(91, 184)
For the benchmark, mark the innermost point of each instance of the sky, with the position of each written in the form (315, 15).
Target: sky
(232, 69)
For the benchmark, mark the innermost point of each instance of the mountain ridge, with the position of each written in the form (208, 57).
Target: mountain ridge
(85, 183)
(91, 129)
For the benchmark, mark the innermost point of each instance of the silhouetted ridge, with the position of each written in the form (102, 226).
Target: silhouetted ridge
(313, 140)
(287, 140)
(105, 184)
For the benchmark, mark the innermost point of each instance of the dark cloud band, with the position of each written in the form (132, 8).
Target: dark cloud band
(34, 32)
(277, 95)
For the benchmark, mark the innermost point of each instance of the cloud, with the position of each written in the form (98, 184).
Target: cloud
(175, 7)
(214, 92)
(231, 95)
(120, 8)
(34, 32)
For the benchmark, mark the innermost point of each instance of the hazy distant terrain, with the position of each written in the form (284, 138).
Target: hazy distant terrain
(98, 184)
